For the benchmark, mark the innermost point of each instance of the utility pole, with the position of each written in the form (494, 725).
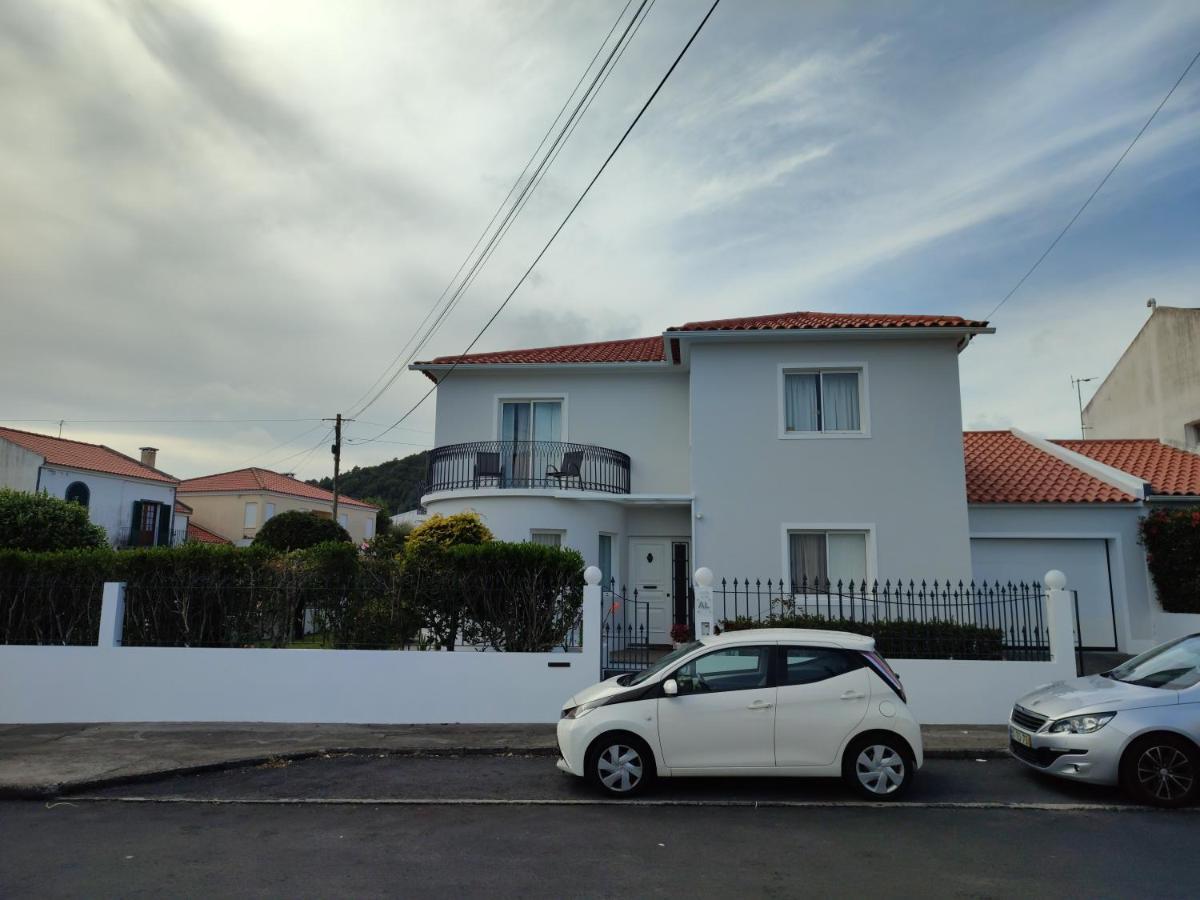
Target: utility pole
(1075, 383)
(336, 449)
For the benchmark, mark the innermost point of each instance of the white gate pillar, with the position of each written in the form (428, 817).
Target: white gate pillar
(702, 615)
(112, 614)
(1060, 616)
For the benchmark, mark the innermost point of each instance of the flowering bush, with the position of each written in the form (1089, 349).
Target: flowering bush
(1172, 541)
(680, 633)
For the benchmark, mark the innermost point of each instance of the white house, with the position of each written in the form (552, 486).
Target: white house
(131, 499)
(789, 447)
(795, 446)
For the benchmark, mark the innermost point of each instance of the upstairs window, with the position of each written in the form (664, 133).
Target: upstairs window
(250, 518)
(822, 401)
(77, 492)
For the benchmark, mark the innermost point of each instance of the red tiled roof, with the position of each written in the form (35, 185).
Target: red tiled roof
(1003, 468)
(821, 320)
(252, 480)
(204, 536)
(631, 350)
(1169, 470)
(182, 508)
(80, 455)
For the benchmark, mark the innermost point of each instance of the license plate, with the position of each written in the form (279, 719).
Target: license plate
(1020, 737)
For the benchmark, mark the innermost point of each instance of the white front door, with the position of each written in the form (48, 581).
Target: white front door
(651, 558)
(823, 694)
(724, 715)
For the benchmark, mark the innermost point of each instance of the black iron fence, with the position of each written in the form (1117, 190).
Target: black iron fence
(909, 620)
(527, 464)
(624, 633)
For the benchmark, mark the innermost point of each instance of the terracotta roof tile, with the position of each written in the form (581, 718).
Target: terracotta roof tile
(254, 479)
(182, 508)
(204, 536)
(632, 350)
(821, 320)
(84, 456)
(1169, 470)
(1003, 468)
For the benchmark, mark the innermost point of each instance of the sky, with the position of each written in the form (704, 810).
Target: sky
(243, 211)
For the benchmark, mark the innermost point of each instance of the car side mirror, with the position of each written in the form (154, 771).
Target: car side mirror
(671, 687)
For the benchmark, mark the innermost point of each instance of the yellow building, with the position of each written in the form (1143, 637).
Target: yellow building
(235, 505)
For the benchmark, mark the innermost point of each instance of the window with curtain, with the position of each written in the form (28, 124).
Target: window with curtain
(822, 401)
(522, 421)
(817, 558)
(546, 538)
(250, 519)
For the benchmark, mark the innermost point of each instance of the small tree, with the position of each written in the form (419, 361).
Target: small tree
(43, 523)
(389, 544)
(1172, 541)
(436, 586)
(298, 530)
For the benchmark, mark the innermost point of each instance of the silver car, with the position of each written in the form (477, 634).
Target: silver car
(1137, 725)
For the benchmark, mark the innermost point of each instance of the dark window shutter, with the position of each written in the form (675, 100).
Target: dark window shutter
(164, 524)
(135, 523)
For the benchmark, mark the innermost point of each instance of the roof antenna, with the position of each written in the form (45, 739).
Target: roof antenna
(1075, 383)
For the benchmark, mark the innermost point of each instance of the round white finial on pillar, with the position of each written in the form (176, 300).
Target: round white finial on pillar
(1055, 580)
(592, 575)
(703, 577)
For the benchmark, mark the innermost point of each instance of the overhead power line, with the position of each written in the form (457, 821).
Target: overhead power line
(641, 112)
(531, 182)
(1092, 195)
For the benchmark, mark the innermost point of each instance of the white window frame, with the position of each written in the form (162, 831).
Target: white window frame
(343, 519)
(499, 399)
(561, 532)
(268, 512)
(867, 528)
(246, 523)
(810, 368)
(369, 528)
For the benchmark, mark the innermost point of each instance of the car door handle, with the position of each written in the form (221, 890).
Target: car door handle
(760, 704)
(853, 695)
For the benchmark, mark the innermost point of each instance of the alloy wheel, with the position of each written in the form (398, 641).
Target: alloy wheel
(880, 769)
(1165, 772)
(620, 768)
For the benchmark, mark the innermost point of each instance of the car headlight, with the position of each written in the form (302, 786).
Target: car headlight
(1081, 724)
(578, 712)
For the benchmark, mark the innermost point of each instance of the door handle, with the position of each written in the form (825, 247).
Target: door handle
(853, 695)
(760, 704)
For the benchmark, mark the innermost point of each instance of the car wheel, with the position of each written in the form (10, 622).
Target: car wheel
(1162, 770)
(878, 767)
(620, 765)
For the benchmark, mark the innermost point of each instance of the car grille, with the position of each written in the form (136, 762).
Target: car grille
(1030, 721)
(1042, 756)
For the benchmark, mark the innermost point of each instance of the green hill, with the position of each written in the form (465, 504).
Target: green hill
(396, 483)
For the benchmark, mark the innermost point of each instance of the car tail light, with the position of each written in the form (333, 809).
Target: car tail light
(884, 671)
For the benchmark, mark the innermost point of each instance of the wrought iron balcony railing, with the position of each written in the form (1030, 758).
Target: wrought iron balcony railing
(527, 464)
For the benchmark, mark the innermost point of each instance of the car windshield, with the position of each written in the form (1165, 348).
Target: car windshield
(1172, 666)
(663, 663)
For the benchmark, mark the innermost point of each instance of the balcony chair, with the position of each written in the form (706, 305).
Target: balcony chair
(487, 465)
(572, 463)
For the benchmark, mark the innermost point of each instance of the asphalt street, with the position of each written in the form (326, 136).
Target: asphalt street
(373, 826)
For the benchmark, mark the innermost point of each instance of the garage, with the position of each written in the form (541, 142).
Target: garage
(1085, 562)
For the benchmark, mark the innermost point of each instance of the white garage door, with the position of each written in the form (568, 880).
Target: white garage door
(1084, 562)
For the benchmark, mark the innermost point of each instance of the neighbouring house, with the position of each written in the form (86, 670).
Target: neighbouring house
(1072, 505)
(129, 498)
(1154, 389)
(800, 446)
(234, 505)
(410, 517)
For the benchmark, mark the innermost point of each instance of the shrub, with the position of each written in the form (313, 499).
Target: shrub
(932, 639)
(41, 523)
(518, 597)
(1172, 541)
(298, 530)
(52, 598)
(442, 532)
(389, 544)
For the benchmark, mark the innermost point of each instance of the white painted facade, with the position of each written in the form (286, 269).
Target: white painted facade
(112, 497)
(18, 467)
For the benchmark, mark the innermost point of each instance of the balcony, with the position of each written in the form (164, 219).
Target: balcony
(525, 465)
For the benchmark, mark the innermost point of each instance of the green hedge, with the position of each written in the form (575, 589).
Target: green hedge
(1172, 541)
(40, 523)
(52, 598)
(934, 639)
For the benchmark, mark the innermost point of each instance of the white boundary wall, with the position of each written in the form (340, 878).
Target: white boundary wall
(111, 683)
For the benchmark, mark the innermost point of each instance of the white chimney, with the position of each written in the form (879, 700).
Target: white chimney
(149, 455)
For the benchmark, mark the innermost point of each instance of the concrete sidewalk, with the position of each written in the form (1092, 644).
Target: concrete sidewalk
(48, 760)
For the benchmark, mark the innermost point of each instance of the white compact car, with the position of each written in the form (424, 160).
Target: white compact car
(761, 702)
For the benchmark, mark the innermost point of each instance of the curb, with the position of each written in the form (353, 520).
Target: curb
(62, 790)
